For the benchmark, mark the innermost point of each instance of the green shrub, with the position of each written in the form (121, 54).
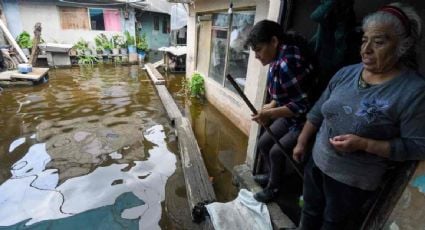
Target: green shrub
(87, 59)
(103, 42)
(98, 42)
(196, 86)
(81, 45)
(142, 43)
(24, 40)
(128, 38)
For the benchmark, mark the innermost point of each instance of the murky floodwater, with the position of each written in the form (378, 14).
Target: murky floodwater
(222, 144)
(92, 148)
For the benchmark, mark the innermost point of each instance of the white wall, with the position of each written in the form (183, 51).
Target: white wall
(48, 15)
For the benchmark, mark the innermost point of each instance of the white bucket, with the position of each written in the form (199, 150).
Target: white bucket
(24, 68)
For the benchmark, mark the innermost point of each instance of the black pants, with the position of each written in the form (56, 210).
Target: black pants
(274, 158)
(328, 204)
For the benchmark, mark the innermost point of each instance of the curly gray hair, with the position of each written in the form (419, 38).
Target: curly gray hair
(406, 50)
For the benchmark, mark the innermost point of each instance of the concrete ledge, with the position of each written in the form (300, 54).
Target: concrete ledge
(154, 74)
(243, 176)
(198, 186)
(168, 102)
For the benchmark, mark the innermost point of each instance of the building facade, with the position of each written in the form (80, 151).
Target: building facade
(215, 48)
(69, 21)
(63, 22)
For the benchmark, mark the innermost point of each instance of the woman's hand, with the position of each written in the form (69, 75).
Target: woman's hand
(270, 105)
(262, 117)
(303, 141)
(299, 152)
(348, 143)
(351, 143)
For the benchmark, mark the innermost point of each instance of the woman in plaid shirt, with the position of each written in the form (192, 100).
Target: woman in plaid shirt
(287, 99)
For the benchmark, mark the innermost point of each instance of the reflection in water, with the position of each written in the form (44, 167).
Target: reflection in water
(107, 217)
(90, 149)
(86, 149)
(32, 193)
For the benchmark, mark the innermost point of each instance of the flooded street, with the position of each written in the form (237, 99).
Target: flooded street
(93, 148)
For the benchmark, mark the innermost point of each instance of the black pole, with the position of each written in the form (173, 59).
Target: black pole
(254, 111)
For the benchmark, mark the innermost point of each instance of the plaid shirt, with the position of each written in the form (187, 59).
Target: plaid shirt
(286, 74)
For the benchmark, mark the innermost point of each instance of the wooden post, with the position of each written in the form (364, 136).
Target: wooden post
(12, 41)
(35, 50)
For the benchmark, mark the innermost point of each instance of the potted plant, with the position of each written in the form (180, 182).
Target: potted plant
(104, 43)
(107, 47)
(130, 42)
(87, 59)
(82, 47)
(142, 45)
(99, 44)
(115, 46)
(25, 42)
(120, 43)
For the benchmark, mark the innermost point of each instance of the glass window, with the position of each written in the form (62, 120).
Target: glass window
(230, 46)
(105, 19)
(96, 19)
(218, 46)
(237, 62)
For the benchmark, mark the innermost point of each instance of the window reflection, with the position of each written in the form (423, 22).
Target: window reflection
(218, 46)
(237, 60)
(238, 53)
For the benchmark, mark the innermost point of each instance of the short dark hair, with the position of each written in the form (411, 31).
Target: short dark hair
(263, 32)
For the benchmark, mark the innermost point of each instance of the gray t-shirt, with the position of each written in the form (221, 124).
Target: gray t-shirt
(393, 111)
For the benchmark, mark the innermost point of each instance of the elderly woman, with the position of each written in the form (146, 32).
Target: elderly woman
(286, 87)
(370, 115)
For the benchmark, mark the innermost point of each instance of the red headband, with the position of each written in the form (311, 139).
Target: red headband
(397, 12)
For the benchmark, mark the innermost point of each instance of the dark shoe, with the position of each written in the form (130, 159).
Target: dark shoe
(267, 195)
(261, 179)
